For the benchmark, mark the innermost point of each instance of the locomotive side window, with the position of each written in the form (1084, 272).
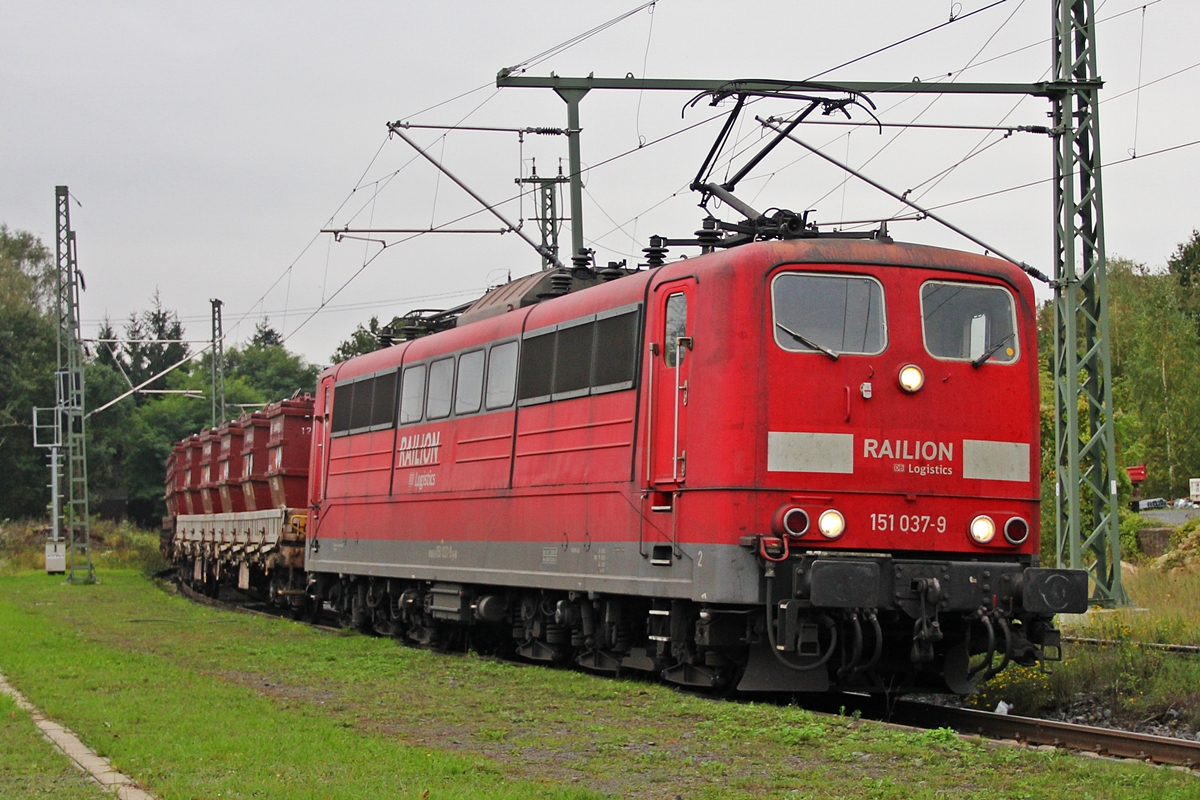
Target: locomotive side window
(830, 314)
(441, 387)
(383, 407)
(573, 360)
(615, 363)
(342, 399)
(412, 394)
(536, 379)
(360, 406)
(470, 382)
(969, 322)
(676, 327)
(502, 376)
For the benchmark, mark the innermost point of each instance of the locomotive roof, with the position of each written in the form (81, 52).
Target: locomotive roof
(496, 304)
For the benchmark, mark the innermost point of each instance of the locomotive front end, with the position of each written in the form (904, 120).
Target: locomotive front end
(899, 501)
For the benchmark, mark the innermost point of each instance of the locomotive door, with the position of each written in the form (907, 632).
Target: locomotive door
(669, 374)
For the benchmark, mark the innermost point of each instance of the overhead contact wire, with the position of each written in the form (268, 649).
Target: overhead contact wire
(907, 39)
(518, 67)
(931, 103)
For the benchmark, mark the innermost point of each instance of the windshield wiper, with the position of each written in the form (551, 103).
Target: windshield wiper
(991, 352)
(804, 340)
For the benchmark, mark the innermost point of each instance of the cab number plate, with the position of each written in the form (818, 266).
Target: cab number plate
(907, 523)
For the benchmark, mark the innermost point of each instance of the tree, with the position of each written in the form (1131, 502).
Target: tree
(1156, 386)
(28, 358)
(153, 430)
(269, 369)
(266, 336)
(107, 352)
(108, 437)
(1184, 265)
(362, 341)
(27, 274)
(152, 344)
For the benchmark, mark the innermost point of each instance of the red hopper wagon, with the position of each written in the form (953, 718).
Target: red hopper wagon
(288, 450)
(229, 485)
(256, 487)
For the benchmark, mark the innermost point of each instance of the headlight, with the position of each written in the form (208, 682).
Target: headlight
(831, 523)
(1016, 530)
(911, 378)
(983, 529)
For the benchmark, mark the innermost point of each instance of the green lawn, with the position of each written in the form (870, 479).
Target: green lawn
(198, 703)
(31, 767)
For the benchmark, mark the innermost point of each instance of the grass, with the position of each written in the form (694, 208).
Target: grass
(194, 702)
(31, 767)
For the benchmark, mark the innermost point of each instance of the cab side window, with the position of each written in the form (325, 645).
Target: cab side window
(501, 376)
(441, 386)
(469, 393)
(412, 394)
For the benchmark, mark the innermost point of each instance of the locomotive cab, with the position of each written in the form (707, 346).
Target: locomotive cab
(887, 434)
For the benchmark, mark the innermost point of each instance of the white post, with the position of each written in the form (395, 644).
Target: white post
(56, 556)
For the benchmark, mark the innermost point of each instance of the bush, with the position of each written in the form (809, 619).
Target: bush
(1130, 524)
(114, 546)
(1026, 690)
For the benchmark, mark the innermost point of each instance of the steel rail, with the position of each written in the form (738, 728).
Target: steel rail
(1186, 649)
(195, 596)
(1104, 741)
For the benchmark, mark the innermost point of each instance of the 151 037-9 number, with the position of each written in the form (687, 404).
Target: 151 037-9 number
(907, 523)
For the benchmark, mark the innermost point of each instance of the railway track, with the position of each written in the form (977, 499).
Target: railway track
(196, 597)
(1034, 731)
(1186, 649)
(1028, 730)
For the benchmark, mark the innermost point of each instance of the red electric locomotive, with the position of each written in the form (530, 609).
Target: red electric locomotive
(786, 466)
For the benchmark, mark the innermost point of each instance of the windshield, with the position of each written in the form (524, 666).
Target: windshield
(968, 321)
(828, 313)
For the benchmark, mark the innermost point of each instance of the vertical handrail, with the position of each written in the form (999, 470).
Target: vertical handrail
(675, 446)
(650, 450)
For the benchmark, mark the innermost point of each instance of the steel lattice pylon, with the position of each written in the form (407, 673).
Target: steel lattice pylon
(1085, 459)
(70, 397)
(547, 220)
(218, 364)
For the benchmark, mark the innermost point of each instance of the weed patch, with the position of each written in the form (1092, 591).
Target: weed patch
(114, 546)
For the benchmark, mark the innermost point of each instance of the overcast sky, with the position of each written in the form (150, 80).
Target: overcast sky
(209, 143)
